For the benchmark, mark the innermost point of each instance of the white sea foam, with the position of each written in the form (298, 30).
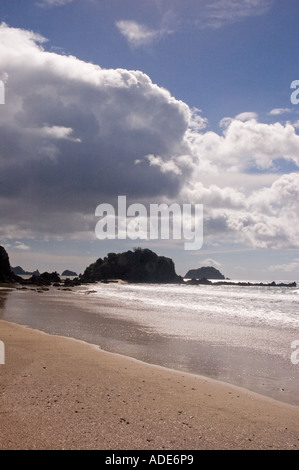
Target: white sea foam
(181, 309)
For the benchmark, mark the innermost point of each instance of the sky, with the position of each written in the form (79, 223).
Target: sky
(162, 101)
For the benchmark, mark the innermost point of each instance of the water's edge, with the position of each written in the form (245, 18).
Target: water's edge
(64, 314)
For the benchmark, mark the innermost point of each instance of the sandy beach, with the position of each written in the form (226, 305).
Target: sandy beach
(61, 393)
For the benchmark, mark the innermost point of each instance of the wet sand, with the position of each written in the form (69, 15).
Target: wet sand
(61, 393)
(244, 356)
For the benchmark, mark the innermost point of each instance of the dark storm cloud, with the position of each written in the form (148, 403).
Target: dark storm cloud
(73, 134)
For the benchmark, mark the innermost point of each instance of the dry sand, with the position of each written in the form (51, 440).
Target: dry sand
(60, 393)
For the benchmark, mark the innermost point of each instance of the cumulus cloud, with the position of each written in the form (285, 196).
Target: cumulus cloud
(197, 122)
(74, 135)
(72, 131)
(247, 144)
(260, 219)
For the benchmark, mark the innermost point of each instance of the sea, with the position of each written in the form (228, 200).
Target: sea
(244, 335)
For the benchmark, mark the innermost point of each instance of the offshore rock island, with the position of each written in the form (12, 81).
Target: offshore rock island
(207, 272)
(140, 265)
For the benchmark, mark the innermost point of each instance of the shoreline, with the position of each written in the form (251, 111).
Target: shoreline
(63, 393)
(224, 352)
(162, 368)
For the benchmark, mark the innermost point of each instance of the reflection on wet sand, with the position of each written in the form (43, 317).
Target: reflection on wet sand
(3, 298)
(103, 322)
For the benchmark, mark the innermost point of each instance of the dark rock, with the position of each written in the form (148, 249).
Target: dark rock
(37, 281)
(256, 284)
(5, 270)
(6, 274)
(72, 282)
(207, 272)
(140, 265)
(69, 273)
(291, 284)
(51, 277)
(205, 281)
(44, 279)
(196, 282)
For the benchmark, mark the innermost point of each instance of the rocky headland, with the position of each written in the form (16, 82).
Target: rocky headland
(139, 265)
(6, 273)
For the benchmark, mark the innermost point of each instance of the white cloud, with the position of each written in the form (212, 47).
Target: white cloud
(225, 122)
(286, 267)
(138, 34)
(211, 262)
(220, 12)
(56, 132)
(174, 17)
(214, 196)
(197, 122)
(260, 219)
(248, 144)
(21, 246)
(165, 167)
(17, 245)
(247, 116)
(54, 3)
(278, 111)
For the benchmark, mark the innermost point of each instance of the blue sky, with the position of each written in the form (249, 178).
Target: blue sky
(160, 100)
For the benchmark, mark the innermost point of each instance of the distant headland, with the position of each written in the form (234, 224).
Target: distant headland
(207, 272)
(20, 272)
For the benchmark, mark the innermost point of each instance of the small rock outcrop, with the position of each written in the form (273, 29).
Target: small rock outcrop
(67, 272)
(44, 279)
(205, 272)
